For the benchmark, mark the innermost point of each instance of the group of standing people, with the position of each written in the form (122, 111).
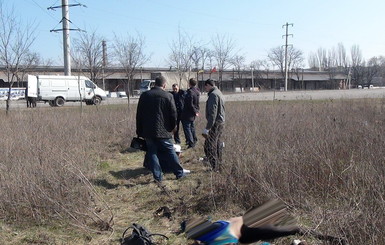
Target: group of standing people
(159, 115)
(187, 105)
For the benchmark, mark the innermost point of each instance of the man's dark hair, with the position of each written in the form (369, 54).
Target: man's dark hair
(160, 81)
(192, 82)
(210, 82)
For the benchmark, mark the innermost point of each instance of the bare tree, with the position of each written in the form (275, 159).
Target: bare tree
(318, 60)
(380, 62)
(15, 43)
(295, 58)
(277, 57)
(260, 68)
(332, 58)
(196, 59)
(130, 54)
(334, 61)
(331, 66)
(223, 51)
(312, 61)
(211, 60)
(182, 50)
(342, 60)
(238, 62)
(356, 55)
(357, 65)
(373, 68)
(196, 56)
(199, 56)
(206, 55)
(90, 52)
(326, 61)
(322, 59)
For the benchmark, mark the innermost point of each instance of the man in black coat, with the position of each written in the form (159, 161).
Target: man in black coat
(190, 112)
(179, 96)
(155, 121)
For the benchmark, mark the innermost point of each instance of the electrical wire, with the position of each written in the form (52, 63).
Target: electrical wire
(52, 4)
(44, 10)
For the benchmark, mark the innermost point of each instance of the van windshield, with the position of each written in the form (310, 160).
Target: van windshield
(90, 84)
(145, 84)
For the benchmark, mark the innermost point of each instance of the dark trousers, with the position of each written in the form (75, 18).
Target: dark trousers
(163, 149)
(214, 144)
(189, 132)
(176, 134)
(265, 232)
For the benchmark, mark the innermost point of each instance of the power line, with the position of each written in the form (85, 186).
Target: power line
(43, 9)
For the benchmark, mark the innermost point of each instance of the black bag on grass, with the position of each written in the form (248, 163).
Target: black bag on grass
(139, 144)
(139, 236)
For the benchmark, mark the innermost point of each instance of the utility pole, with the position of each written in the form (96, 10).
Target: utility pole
(66, 38)
(66, 33)
(252, 78)
(349, 77)
(104, 47)
(286, 45)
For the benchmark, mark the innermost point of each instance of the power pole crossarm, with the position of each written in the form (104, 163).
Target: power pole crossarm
(69, 5)
(286, 45)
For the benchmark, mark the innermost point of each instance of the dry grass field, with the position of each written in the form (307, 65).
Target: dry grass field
(68, 176)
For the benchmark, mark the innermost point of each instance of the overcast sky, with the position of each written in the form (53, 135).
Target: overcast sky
(254, 25)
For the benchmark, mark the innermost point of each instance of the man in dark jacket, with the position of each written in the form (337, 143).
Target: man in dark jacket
(215, 115)
(155, 120)
(179, 96)
(190, 112)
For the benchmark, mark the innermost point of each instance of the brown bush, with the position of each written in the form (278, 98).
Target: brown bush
(48, 156)
(325, 159)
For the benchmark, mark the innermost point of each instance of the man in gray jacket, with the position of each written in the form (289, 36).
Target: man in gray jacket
(215, 115)
(155, 121)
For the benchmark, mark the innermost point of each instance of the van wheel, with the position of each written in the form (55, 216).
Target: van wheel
(51, 103)
(59, 101)
(97, 100)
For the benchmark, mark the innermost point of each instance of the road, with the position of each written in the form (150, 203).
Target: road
(257, 96)
(308, 95)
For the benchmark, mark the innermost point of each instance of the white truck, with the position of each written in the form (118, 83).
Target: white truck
(56, 90)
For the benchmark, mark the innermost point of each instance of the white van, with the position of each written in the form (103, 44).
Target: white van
(56, 90)
(146, 85)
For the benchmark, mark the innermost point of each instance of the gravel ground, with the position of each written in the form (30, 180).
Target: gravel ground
(249, 96)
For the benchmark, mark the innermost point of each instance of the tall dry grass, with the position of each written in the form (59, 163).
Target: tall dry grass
(324, 159)
(48, 157)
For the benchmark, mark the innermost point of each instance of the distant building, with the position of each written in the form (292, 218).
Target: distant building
(114, 78)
